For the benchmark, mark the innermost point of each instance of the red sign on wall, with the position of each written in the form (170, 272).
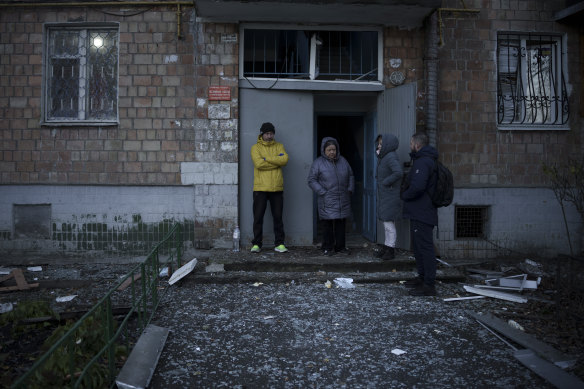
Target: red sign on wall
(219, 93)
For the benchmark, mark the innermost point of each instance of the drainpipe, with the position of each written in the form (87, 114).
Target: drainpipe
(432, 69)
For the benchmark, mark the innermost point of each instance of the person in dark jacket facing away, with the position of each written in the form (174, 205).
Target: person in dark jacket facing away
(389, 205)
(331, 178)
(423, 216)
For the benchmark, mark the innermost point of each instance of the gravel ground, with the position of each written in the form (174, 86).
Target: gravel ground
(296, 332)
(307, 335)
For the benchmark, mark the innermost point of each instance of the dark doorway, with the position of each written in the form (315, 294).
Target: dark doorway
(348, 131)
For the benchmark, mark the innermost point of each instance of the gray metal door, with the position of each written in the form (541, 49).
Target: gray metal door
(291, 112)
(396, 114)
(369, 185)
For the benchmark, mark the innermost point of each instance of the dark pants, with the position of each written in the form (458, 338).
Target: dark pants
(333, 234)
(260, 202)
(423, 246)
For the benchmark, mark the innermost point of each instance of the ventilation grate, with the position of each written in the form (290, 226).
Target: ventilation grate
(470, 221)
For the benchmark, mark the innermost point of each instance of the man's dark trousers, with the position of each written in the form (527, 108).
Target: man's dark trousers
(260, 202)
(423, 246)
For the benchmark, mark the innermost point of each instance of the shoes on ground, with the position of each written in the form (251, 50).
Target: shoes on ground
(380, 251)
(344, 251)
(256, 249)
(328, 253)
(423, 290)
(389, 254)
(413, 283)
(281, 248)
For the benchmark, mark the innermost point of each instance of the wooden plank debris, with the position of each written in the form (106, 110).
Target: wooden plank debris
(129, 280)
(21, 283)
(495, 294)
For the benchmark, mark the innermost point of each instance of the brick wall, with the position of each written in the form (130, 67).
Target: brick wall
(468, 138)
(214, 174)
(407, 47)
(156, 103)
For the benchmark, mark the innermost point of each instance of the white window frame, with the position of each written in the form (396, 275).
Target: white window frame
(81, 119)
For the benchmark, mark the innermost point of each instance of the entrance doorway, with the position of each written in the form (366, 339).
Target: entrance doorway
(348, 131)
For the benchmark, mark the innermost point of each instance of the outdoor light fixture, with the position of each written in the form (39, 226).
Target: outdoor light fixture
(98, 42)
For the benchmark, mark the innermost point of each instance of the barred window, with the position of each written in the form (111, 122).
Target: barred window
(531, 88)
(81, 77)
(311, 54)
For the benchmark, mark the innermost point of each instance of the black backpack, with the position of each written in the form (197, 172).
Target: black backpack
(444, 190)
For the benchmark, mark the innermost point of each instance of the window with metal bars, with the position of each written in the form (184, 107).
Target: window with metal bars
(531, 87)
(308, 54)
(470, 221)
(81, 77)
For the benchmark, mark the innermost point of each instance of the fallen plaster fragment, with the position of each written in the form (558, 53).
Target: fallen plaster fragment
(215, 268)
(495, 294)
(345, 283)
(256, 284)
(6, 307)
(64, 299)
(397, 351)
(182, 271)
(515, 325)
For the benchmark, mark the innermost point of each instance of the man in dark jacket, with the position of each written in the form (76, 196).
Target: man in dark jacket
(423, 216)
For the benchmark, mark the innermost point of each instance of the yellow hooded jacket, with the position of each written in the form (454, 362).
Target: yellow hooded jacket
(268, 159)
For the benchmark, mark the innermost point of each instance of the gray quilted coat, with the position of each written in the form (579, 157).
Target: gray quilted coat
(333, 182)
(389, 175)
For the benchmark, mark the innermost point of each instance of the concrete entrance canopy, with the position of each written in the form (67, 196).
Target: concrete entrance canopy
(405, 14)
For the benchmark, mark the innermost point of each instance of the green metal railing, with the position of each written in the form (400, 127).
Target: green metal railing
(92, 351)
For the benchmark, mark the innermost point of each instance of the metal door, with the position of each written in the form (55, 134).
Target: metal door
(396, 114)
(369, 185)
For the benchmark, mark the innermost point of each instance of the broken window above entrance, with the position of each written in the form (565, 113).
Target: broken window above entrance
(328, 55)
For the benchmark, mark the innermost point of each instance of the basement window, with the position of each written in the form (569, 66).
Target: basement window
(32, 221)
(81, 74)
(470, 221)
(327, 55)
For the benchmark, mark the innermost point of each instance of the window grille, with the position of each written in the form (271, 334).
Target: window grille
(82, 75)
(338, 55)
(470, 221)
(531, 88)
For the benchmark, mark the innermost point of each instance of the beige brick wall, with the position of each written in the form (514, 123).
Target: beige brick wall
(156, 103)
(468, 139)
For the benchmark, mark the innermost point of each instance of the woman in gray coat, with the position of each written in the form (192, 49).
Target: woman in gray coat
(331, 178)
(389, 175)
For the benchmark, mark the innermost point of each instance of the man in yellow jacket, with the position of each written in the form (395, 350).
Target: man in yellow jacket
(268, 158)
